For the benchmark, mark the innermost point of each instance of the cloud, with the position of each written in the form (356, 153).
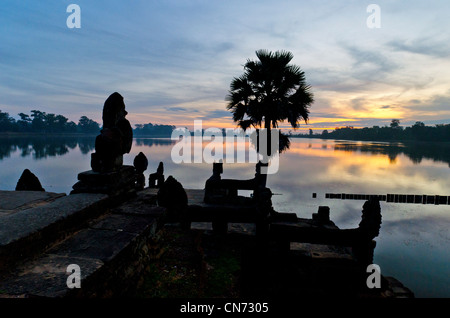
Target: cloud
(329, 114)
(423, 46)
(358, 70)
(369, 65)
(354, 122)
(358, 104)
(182, 109)
(215, 114)
(439, 103)
(436, 103)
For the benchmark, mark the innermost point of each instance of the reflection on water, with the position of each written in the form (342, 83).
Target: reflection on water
(364, 168)
(42, 147)
(413, 242)
(153, 142)
(439, 152)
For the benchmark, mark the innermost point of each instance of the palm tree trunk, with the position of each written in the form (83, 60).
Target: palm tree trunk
(269, 139)
(266, 154)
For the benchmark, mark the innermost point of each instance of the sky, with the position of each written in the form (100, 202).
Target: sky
(173, 60)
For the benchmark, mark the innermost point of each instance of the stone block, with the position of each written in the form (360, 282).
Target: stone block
(97, 178)
(14, 201)
(19, 225)
(46, 276)
(94, 244)
(111, 183)
(27, 233)
(122, 223)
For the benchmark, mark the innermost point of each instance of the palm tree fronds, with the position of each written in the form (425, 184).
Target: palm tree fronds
(270, 91)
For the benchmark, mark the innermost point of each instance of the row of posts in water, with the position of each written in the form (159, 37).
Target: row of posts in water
(393, 198)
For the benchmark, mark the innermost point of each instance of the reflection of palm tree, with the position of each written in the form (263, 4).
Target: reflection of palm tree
(271, 90)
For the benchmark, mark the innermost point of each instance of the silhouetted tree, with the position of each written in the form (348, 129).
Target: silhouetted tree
(71, 127)
(153, 130)
(24, 123)
(270, 91)
(418, 130)
(38, 121)
(7, 123)
(87, 125)
(60, 123)
(395, 123)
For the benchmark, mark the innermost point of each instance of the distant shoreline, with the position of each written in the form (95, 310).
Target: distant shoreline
(410, 141)
(43, 134)
(48, 134)
(72, 134)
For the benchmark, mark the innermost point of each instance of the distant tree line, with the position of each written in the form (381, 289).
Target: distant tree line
(42, 122)
(394, 132)
(153, 130)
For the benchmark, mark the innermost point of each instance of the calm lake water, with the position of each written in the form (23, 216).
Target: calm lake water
(413, 242)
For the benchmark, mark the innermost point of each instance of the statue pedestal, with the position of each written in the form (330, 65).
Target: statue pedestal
(121, 181)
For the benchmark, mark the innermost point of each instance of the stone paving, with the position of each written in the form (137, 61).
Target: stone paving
(14, 201)
(102, 235)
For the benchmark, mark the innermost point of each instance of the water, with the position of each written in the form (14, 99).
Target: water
(413, 241)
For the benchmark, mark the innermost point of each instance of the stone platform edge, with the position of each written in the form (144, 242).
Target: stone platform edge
(110, 249)
(28, 232)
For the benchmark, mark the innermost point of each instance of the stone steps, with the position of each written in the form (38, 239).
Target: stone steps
(25, 233)
(108, 246)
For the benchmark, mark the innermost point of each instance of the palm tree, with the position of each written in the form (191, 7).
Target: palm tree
(270, 91)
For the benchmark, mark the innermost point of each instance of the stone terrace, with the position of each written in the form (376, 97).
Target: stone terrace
(42, 233)
(112, 240)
